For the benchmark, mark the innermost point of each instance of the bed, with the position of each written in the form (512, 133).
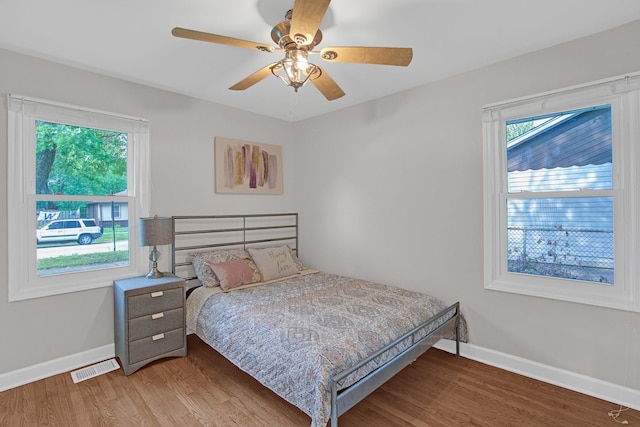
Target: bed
(321, 341)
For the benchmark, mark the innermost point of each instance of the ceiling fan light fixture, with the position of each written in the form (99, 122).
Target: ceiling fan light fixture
(297, 35)
(295, 70)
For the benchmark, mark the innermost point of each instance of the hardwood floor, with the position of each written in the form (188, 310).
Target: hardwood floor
(204, 389)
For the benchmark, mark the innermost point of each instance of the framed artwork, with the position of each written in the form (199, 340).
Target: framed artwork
(247, 167)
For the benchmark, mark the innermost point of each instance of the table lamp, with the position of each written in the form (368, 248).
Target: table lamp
(153, 232)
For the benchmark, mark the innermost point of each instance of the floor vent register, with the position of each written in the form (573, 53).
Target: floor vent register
(94, 370)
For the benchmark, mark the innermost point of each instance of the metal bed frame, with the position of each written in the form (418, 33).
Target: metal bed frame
(228, 231)
(256, 230)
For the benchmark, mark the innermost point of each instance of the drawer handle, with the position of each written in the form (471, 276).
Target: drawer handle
(157, 316)
(157, 294)
(157, 337)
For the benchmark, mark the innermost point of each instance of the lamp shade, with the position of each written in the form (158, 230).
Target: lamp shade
(155, 231)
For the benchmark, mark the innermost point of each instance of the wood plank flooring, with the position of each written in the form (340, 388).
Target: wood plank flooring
(204, 389)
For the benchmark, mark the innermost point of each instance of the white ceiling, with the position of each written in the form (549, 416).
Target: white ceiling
(131, 39)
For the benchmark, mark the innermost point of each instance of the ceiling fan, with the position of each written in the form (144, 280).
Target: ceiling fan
(296, 36)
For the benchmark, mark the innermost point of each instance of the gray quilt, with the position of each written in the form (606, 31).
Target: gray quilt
(295, 334)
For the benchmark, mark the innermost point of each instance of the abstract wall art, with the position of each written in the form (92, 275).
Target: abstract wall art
(247, 167)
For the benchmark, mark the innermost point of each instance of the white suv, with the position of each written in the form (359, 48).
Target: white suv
(66, 230)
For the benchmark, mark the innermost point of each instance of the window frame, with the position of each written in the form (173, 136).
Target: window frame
(623, 94)
(23, 112)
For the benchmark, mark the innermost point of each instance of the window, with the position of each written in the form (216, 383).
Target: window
(70, 171)
(560, 193)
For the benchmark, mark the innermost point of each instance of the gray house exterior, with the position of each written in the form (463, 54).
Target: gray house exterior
(109, 213)
(572, 153)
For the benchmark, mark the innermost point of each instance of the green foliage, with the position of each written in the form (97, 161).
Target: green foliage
(122, 234)
(74, 160)
(514, 130)
(70, 261)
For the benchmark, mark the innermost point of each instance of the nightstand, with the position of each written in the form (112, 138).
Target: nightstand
(149, 320)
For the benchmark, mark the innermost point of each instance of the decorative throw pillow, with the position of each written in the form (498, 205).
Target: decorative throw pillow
(294, 255)
(274, 263)
(232, 274)
(255, 272)
(200, 261)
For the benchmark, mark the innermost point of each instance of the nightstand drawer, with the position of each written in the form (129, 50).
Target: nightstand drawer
(156, 345)
(155, 323)
(154, 302)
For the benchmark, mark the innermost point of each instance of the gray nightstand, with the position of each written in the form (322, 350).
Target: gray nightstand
(149, 320)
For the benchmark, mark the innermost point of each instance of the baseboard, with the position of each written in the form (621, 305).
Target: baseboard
(47, 369)
(570, 380)
(604, 390)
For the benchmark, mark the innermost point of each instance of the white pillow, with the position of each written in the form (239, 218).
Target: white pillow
(274, 263)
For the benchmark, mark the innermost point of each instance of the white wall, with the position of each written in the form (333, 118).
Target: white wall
(181, 146)
(391, 191)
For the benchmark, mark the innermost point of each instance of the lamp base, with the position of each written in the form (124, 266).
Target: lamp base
(154, 255)
(155, 274)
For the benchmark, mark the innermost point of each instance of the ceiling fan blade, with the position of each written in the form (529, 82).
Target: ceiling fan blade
(306, 19)
(327, 86)
(254, 78)
(369, 55)
(214, 38)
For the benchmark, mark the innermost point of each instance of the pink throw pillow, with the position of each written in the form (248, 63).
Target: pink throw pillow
(232, 274)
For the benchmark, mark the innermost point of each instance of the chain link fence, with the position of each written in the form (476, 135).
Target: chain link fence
(572, 253)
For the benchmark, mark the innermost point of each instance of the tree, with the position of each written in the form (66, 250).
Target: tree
(514, 130)
(74, 160)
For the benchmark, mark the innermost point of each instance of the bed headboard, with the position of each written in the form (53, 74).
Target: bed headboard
(202, 233)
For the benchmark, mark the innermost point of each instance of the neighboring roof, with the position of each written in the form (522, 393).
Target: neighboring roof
(581, 139)
(573, 178)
